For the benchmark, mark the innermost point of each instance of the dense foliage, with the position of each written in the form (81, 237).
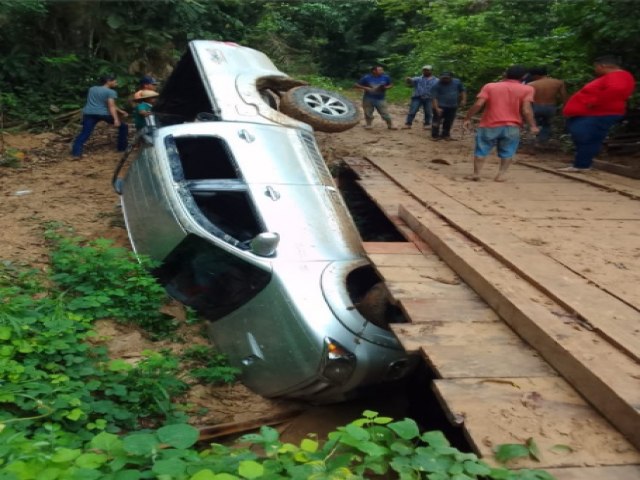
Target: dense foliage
(50, 52)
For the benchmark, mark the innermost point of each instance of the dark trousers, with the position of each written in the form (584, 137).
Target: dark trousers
(445, 119)
(89, 122)
(587, 134)
(543, 115)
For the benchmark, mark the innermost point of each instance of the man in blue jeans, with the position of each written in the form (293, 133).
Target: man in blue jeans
(421, 96)
(595, 108)
(101, 107)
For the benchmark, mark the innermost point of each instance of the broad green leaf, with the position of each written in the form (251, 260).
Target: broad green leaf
(382, 420)
(357, 433)
(178, 436)
(75, 414)
(5, 332)
(435, 438)
(206, 475)
(476, 468)
(534, 451)
(371, 448)
(62, 455)
(107, 442)
(173, 467)
(560, 448)
(250, 469)
(140, 443)
(509, 451)
(91, 460)
(407, 429)
(309, 445)
(127, 475)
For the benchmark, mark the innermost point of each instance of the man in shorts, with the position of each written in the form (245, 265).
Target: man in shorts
(504, 103)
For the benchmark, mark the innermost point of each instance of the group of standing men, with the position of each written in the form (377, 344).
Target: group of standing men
(589, 113)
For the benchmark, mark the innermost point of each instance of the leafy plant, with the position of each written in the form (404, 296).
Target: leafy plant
(371, 445)
(208, 366)
(103, 281)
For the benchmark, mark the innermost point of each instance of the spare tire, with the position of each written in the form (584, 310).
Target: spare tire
(325, 111)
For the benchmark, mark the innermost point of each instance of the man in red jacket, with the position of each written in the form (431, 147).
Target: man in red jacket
(595, 108)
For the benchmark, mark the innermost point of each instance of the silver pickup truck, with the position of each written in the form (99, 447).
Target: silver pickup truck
(230, 193)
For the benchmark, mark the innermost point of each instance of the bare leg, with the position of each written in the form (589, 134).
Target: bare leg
(478, 163)
(504, 166)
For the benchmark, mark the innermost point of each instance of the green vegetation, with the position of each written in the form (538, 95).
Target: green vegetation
(51, 52)
(372, 445)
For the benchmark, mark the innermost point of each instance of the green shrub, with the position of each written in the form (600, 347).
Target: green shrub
(103, 281)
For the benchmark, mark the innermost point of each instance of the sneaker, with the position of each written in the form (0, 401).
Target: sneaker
(573, 170)
(406, 127)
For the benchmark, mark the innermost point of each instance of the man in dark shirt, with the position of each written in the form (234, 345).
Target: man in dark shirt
(447, 95)
(375, 85)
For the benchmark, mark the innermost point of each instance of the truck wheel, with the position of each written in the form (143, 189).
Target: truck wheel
(325, 111)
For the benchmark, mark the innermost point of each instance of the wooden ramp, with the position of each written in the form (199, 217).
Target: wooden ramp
(490, 379)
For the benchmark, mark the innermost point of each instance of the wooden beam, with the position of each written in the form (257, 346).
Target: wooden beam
(608, 378)
(545, 410)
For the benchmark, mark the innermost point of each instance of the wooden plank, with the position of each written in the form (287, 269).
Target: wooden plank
(391, 248)
(612, 186)
(428, 288)
(625, 472)
(546, 410)
(615, 320)
(472, 350)
(468, 309)
(608, 378)
(439, 273)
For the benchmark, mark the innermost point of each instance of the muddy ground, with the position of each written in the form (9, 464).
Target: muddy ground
(48, 185)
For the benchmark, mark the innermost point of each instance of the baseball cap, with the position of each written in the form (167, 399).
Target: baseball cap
(427, 67)
(148, 80)
(446, 74)
(139, 95)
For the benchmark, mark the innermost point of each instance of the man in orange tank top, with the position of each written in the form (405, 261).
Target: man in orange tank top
(504, 103)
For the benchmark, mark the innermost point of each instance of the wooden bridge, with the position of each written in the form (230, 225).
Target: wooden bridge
(524, 299)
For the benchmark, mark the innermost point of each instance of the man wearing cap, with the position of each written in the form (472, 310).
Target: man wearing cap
(421, 96)
(101, 107)
(447, 95)
(147, 82)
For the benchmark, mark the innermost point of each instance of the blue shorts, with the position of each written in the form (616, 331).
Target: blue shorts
(506, 139)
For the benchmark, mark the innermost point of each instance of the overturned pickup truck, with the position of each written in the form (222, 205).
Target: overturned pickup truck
(231, 194)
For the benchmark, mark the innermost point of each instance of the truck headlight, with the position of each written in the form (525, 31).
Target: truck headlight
(338, 362)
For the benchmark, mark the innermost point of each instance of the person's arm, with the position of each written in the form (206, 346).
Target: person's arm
(359, 86)
(409, 81)
(463, 98)
(113, 111)
(435, 105)
(475, 108)
(527, 113)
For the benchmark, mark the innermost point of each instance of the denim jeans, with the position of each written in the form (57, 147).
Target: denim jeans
(447, 118)
(89, 122)
(587, 134)
(543, 115)
(414, 107)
